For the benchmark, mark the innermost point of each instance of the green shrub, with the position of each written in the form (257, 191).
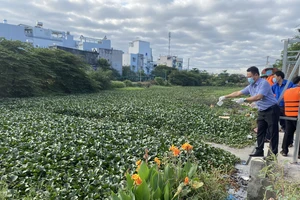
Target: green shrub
(128, 83)
(159, 81)
(279, 187)
(141, 84)
(176, 176)
(117, 84)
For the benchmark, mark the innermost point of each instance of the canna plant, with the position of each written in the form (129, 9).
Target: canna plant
(175, 177)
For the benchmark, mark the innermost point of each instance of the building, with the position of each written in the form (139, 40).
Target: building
(114, 57)
(41, 37)
(135, 61)
(170, 61)
(139, 56)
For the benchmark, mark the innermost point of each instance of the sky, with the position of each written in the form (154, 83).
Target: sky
(214, 35)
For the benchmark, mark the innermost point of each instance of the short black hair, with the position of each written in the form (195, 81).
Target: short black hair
(296, 80)
(279, 73)
(254, 70)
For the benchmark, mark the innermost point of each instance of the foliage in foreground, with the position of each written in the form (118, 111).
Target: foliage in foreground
(280, 188)
(176, 176)
(81, 146)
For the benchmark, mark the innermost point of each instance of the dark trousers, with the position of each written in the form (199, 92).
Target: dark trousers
(289, 135)
(282, 121)
(268, 120)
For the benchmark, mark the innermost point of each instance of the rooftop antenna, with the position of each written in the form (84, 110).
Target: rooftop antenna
(169, 44)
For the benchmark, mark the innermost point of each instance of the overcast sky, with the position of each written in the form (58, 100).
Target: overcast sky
(215, 34)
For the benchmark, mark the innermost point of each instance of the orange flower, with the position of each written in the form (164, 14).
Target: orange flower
(137, 179)
(187, 147)
(186, 180)
(176, 152)
(172, 147)
(138, 162)
(157, 161)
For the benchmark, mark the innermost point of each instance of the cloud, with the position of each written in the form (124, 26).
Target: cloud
(214, 35)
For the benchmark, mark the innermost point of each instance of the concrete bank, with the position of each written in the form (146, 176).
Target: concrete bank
(291, 170)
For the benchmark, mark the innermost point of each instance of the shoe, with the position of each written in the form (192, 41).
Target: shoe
(298, 156)
(257, 154)
(291, 145)
(283, 153)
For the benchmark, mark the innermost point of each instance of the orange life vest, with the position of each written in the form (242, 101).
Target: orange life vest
(270, 79)
(291, 101)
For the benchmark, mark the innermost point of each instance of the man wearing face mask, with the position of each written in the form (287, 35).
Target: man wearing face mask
(277, 88)
(269, 73)
(268, 111)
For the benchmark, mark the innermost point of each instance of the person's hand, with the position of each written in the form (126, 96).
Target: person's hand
(221, 98)
(240, 101)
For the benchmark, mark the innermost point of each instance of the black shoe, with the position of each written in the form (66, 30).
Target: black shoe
(283, 153)
(257, 154)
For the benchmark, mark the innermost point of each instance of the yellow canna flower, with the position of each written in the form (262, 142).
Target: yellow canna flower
(157, 161)
(137, 179)
(172, 147)
(138, 162)
(187, 147)
(186, 180)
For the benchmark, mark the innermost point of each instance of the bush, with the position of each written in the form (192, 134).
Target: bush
(128, 83)
(117, 84)
(141, 84)
(159, 81)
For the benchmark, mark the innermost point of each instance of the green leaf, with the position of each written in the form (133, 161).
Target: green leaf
(167, 191)
(157, 193)
(168, 173)
(142, 192)
(192, 171)
(129, 181)
(114, 196)
(124, 196)
(144, 171)
(187, 167)
(154, 181)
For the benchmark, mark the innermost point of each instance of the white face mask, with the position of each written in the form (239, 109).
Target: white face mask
(274, 80)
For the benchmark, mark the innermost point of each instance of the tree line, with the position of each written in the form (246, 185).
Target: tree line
(26, 71)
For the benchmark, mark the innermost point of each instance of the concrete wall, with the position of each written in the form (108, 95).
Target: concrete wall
(88, 56)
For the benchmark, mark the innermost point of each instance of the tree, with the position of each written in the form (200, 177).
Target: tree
(162, 71)
(27, 71)
(128, 74)
(103, 64)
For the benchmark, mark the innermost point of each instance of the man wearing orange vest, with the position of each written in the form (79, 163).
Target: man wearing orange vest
(269, 72)
(291, 104)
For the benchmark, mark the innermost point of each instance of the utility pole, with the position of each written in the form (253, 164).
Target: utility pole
(267, 64)
(188, 64)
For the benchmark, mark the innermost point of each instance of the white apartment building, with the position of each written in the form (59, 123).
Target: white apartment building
(139, 50)
(135, 61)
(41, 37)
(114, 57)
(170, 61)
